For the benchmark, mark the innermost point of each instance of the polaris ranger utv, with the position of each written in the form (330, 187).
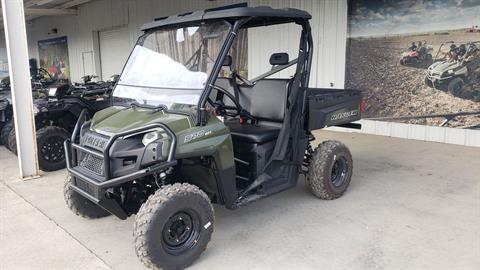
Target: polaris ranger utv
(459, 67)
(162, 151)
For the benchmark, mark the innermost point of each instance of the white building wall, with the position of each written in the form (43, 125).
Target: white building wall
(329, 31)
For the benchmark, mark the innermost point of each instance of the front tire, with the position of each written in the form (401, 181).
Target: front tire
(173, 227)
(455, 86)
(79, 205)
(12, 141)
(51, 153)
(1, 127)
(330, 170)
(428, 82)
(5, 132)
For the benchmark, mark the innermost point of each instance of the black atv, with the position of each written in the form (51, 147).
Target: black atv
(56, 115)
(40, 78)
(6, 114)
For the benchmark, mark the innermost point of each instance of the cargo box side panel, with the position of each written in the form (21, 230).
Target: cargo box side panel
(327, 107)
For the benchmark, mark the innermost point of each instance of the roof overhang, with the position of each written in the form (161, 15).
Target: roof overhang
(40, 8)
(260, 16)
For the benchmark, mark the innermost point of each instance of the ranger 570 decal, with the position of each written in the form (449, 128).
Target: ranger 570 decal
(343, 115)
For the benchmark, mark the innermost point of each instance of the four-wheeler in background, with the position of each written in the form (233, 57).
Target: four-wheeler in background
(418, 55)
(56, 115)
(162, 151)
(6, 112)
(455, 67)
(40, 80)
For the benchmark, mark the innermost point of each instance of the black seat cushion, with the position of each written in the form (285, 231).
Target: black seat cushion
(250, 133)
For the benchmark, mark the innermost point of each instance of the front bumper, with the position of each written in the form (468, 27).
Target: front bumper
(436, 81)
(93, 186)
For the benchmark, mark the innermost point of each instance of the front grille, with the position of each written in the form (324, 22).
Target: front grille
(92, 163)
(94, 141)
(434, 76)
(87, 161)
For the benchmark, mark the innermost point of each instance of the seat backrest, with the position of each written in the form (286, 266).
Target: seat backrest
(269, 99)
(266, 100)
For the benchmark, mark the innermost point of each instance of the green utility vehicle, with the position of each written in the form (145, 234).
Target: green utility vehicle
(186, 130)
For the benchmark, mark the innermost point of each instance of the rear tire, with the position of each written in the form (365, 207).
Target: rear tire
(455, 86)
(330, 170)
(51, 153)
(173, 227)
(5, 132)
(80, 205)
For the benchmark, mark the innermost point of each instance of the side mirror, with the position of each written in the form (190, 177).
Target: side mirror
(279, 59)
(227, 62)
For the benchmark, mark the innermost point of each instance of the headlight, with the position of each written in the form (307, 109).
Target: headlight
(450, 71)
(35, 109)
(52, 92)
(151, 137)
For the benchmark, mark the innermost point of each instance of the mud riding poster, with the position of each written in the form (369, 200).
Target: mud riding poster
(53, 54)
(419, 61)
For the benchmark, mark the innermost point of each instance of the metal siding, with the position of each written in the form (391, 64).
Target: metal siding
(329, 27)
(114, 51)
(329, 48)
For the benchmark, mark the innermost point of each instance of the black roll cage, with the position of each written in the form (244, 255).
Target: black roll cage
(306, 34)
(240, 17)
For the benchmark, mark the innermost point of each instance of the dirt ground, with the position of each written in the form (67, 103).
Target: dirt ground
(396, 91)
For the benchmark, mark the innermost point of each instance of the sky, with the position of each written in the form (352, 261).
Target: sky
(381, 17)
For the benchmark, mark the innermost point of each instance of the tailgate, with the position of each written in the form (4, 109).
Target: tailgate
(332, 107)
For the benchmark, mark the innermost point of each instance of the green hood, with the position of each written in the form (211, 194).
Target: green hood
(114, 120)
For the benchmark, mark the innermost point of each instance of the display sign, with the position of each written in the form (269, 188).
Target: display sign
(53, 55)
(419, 61)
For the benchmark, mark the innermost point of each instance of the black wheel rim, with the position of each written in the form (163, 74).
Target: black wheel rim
(457, 87)
(52, 149)
(339, 171)
(181, 232)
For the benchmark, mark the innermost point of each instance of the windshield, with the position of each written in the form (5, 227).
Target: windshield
(170, 67)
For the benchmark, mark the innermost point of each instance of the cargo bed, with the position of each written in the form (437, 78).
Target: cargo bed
(332, 107)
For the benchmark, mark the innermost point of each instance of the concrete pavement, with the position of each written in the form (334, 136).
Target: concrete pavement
(411, 204)
(29, 239)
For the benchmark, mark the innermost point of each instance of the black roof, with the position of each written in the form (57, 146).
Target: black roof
(261, 16)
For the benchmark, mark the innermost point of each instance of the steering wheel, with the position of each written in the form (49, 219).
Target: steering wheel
(222, 109)
(227, 110)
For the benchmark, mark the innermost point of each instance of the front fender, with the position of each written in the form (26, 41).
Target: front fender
(213, 140)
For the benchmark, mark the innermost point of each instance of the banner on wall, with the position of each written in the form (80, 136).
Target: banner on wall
(53, 54)
(419, 61)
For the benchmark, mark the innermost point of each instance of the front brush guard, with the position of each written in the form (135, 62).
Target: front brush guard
(93, 187)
